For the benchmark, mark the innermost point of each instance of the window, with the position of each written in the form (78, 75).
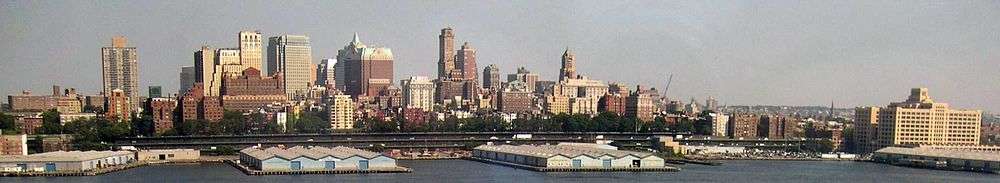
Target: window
(330, 165)
(296, 165)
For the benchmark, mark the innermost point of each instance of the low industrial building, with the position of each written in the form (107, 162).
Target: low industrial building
(173, 155)
(298, 158)
(65, 161)
(567, 157)
(968, 160)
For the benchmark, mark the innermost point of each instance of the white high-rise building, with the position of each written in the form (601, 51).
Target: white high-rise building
(250, 50)
(418, 92)
(291, 56)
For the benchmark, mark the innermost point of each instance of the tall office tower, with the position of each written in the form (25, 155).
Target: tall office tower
(525, 76)
(418, 92)
(367, 70)
(291, 55)
(466, 61)
(155, 92)
(325, 72)
(568, 70)
(117, 105)
(917, 121)
(188, 77)
(229, 60)
(491, 77)
(446, 46)
(250, 50)
(208, 69)
(341, 112)
(120, 69)
(339, 75)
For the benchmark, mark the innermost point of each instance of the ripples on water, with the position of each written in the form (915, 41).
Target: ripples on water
(468, 171)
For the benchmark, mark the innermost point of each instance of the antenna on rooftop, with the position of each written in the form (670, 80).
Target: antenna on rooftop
(665, 90)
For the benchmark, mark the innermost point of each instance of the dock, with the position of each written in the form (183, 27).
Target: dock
(252, 172)
(585, 169)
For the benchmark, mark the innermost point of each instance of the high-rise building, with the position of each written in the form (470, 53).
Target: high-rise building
(118, 106)
(917, 121)
(120, 69)
(777, 127)
(516, 98)
(568, 70)
(187, 78)
(325, 73)
(250, 50)
(525, 76)
(491, 77)
(720, 122)
(341, 112)
(155, 92)
(446, 60)
(743, 125)
(207, 71)
(418, 92)
(466, 61)
(367, 70)
(291, 55)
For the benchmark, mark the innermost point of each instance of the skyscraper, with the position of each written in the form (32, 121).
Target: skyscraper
(491, 77)
(291, 55)
(188, 78)
(568, 70)
(250, 50)
(446, 60)
(366, 70)
(208, 70)
(120, 70)
(525, 76)
(326, 72)
(917, 121)
(466, 61)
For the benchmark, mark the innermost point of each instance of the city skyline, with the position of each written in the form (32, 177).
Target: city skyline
(808, 63)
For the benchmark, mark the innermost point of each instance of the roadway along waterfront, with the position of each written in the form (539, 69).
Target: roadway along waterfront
(469, 171)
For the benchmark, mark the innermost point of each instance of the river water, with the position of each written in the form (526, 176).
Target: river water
(469, 171)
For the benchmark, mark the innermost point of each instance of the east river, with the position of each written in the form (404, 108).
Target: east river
(469, 171)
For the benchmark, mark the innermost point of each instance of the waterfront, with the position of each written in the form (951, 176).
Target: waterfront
(469, 171)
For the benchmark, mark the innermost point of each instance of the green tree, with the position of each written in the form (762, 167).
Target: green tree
(310, 124)
(142, 125)
(50, 123)
(8, 124)
(819, 146)
(232, 123)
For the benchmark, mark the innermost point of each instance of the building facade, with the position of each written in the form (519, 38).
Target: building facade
(341, 110)
(118, 106)
(743, 125)
(250, 50)
(252, 91)
(291, 55)
(418, 92)
(162, 110)
(491, 77)
(366, 70)
(917, 121)
(120, 69)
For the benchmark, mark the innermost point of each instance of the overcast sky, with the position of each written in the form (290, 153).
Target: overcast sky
(855, 53)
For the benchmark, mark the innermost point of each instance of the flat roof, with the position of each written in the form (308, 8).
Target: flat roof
(546, 151)
(944, 153)
(315, 152)
(62, 156)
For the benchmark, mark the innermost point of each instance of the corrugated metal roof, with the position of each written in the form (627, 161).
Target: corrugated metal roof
(315, 152)
(63, 156)
(944, 153)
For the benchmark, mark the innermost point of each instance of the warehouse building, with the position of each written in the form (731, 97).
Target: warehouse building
(969, 160)
(175, 155)
(567, 157)
(65, 161)
(298, 158)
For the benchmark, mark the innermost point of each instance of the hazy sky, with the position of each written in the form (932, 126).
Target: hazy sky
(741, 52)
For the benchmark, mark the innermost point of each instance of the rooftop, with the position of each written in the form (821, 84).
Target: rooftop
(63, 156)
(546, 151)
(315, 152)
(944, 153)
